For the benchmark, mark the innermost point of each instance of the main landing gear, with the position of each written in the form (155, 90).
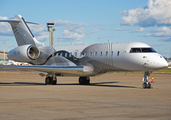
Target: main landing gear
(84, 80)
(50, 80)
(146, 83)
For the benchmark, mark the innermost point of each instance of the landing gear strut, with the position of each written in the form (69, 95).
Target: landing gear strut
(84, 80)
(50, 80)
(146, 83)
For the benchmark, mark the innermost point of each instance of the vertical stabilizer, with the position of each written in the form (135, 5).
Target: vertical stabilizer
(22, 32)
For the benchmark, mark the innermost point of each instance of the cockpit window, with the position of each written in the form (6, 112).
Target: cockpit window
(148, 50)
(135, 50)
(141, 50)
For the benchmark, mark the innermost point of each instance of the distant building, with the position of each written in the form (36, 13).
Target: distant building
(2, 56)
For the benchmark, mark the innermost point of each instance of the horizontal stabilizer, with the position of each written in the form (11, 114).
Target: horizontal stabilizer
(10, 20)
(32, 23)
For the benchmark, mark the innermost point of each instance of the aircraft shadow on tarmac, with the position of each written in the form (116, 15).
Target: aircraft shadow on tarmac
(99, 84)
(20, 84)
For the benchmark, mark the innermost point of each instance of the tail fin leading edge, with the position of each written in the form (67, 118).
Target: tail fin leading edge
(22, 32)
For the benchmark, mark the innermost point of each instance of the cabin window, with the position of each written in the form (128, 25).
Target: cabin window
(75, 54)
(118, 53)
(66, 54)
(96, 54)
(91, 54)
(85, 54)
(148, 50)
(61, 55)
(101, 54)
(106, 53)
(112, 53)
(70, 54)
(81, 54)
(58, 54)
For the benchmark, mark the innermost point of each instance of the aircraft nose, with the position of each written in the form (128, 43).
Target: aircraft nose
(163, 63)
(157, 62)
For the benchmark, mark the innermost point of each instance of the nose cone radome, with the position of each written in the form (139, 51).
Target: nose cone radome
(162, 63)
(156, 62)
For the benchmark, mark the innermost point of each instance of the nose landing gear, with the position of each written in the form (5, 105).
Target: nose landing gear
(146, 83)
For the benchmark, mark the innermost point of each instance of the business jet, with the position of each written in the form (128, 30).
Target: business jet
(83, 61)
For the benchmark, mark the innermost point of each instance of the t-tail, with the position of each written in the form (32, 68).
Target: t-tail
(22, 32)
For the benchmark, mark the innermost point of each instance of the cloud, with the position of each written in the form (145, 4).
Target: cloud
(70, 24)
(100, 37)
(70, 36)
(157, 12)
(163, 32)
(159, 44)
(115, 29)
(119, 29)
(72, 31)
(139, 30)
(5, 28)
(166, 39)
(78, 43)
(39, 31)
(6, 39)
(160, 32)
(98, 29)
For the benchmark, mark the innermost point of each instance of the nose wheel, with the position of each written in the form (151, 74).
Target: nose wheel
(146, 83)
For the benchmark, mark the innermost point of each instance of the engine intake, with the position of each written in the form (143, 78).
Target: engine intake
(24, 53)
(33, 52)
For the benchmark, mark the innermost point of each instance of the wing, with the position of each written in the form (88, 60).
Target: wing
(71, 70)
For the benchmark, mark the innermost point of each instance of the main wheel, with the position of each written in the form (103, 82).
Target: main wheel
(84, 80)
(48, 80)
(144, 85)
(54, 82)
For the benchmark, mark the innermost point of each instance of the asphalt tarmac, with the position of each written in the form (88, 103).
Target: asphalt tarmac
(109, 96)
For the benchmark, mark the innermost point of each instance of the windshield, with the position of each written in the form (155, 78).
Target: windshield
(142, 50)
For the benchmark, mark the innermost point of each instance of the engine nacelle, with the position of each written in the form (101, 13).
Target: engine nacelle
(24, 53)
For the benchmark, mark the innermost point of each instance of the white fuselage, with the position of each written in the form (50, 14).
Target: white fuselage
(100, 58)
(111, 57)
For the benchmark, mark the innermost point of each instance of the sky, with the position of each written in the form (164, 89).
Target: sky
(92, 21)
